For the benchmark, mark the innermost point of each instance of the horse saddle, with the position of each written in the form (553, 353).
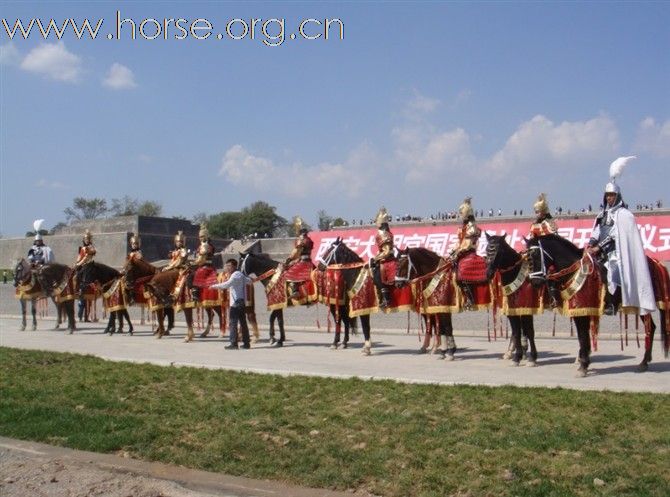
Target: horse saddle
(471, 268)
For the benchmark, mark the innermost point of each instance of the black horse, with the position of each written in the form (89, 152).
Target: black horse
(260, 265)
(49, 280)
(560, 254)
(339, 254)
(417, 262)
(139, 269)
(502, 258)
(340, 309)
(104, 276)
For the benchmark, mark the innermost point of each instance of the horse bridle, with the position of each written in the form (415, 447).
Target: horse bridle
(542, 272)
(330, 256)
(410, 266)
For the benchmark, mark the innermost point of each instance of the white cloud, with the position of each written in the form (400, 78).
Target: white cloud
(55, 62)
(425, 153)
(241, 167)
(9, 55)
(654, 138)
(541, 143)
(54, 185)
(421, 104)
(119, 77)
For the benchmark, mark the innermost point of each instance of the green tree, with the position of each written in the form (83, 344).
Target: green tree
(86, 208)
(225, 224)
(261, 219)
(57, 227)
(32, 233)
(338, 221)
(128, 206)
(324, 220)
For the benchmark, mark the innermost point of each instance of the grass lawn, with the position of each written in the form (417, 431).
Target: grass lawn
(379, 436)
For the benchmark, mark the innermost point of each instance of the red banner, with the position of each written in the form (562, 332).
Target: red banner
(654, 230)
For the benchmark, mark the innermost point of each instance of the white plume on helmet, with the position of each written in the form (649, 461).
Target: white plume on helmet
(616, 168)
(37, 226)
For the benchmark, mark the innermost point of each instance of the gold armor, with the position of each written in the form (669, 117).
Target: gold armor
(86, 251)
(302, 249)
(544, 224)
(205, 252)
(179, 256)
(469, 233)
(384, 237)
(135, 252)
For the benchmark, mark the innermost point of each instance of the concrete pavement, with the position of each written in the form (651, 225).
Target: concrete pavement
(478, 361)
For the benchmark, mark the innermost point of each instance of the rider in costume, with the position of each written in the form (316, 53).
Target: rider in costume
(384, 241)
(178, 260)
(543, 225)
(39, 254)
(204, 259)
(616, 240)
(299, 265)
(466, 245)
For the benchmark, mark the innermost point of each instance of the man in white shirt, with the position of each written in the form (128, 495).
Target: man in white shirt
(236, 285)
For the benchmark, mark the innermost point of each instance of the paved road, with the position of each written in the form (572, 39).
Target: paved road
(394, 357)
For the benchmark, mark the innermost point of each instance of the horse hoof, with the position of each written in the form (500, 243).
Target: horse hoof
(253, 340)
(422, 350)
(333, 346)
(70, 332)
(581, 373)
(279, 343)
(34, 327)
(166, 332)
(188, 339)
(449, 357)
(507, 356)
(642, 367)
(203, 334)
(22, 328)
(531, 364)
(366, 351)
(345, 345)
(514, 364)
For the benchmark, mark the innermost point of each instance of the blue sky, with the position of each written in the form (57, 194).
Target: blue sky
(416, 107)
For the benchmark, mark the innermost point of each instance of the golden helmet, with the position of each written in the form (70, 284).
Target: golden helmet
(297, 225)
(465, 209)
(179, 237)
(88, 237)
(382, 217)
(204, 232)
(134, 240)
(541, 206)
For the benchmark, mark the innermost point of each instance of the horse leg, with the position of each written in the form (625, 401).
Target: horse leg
(68, 307)
(251, 319)
(210, 317)
(665, 332)
(450, 351)
(124, 314)
(583, 325)
(338, 326)
(160, 329)
(188, 314)
(23, 314)
(111, 324)
(344, 312)
(427, 322)
(365, 324)
(282, 334)
(59, 313)
(515, 324)
(169, 312)
(273, 319)
(649, 330)
(33, 310)
(528, 329)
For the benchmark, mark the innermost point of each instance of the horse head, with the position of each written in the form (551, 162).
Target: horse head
(257, 264)
(499, 254)
(94, 272)
(329, 255)
(22, 272)
(404, 268)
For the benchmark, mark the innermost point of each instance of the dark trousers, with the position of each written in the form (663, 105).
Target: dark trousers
(238, 315)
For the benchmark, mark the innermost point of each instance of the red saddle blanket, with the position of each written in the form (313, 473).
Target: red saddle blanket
(300, 271)
(388, 270)
(205, 276)
(471, 269)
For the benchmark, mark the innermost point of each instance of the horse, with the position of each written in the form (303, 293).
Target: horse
(352, 270)
(49, 280)
(264, 268)
(332, 290)
(109, 279)
(565, 257)
(514, 295)
(433, 275)
(137, 273)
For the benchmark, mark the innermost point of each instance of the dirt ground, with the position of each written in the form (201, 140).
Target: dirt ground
(25, 474)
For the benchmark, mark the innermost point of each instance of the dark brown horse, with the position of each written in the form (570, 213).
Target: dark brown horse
(420, 266)
(50, 280)
(109, 280)
(519, 300)
(161, 287)
(564, 257)
(138, 272)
